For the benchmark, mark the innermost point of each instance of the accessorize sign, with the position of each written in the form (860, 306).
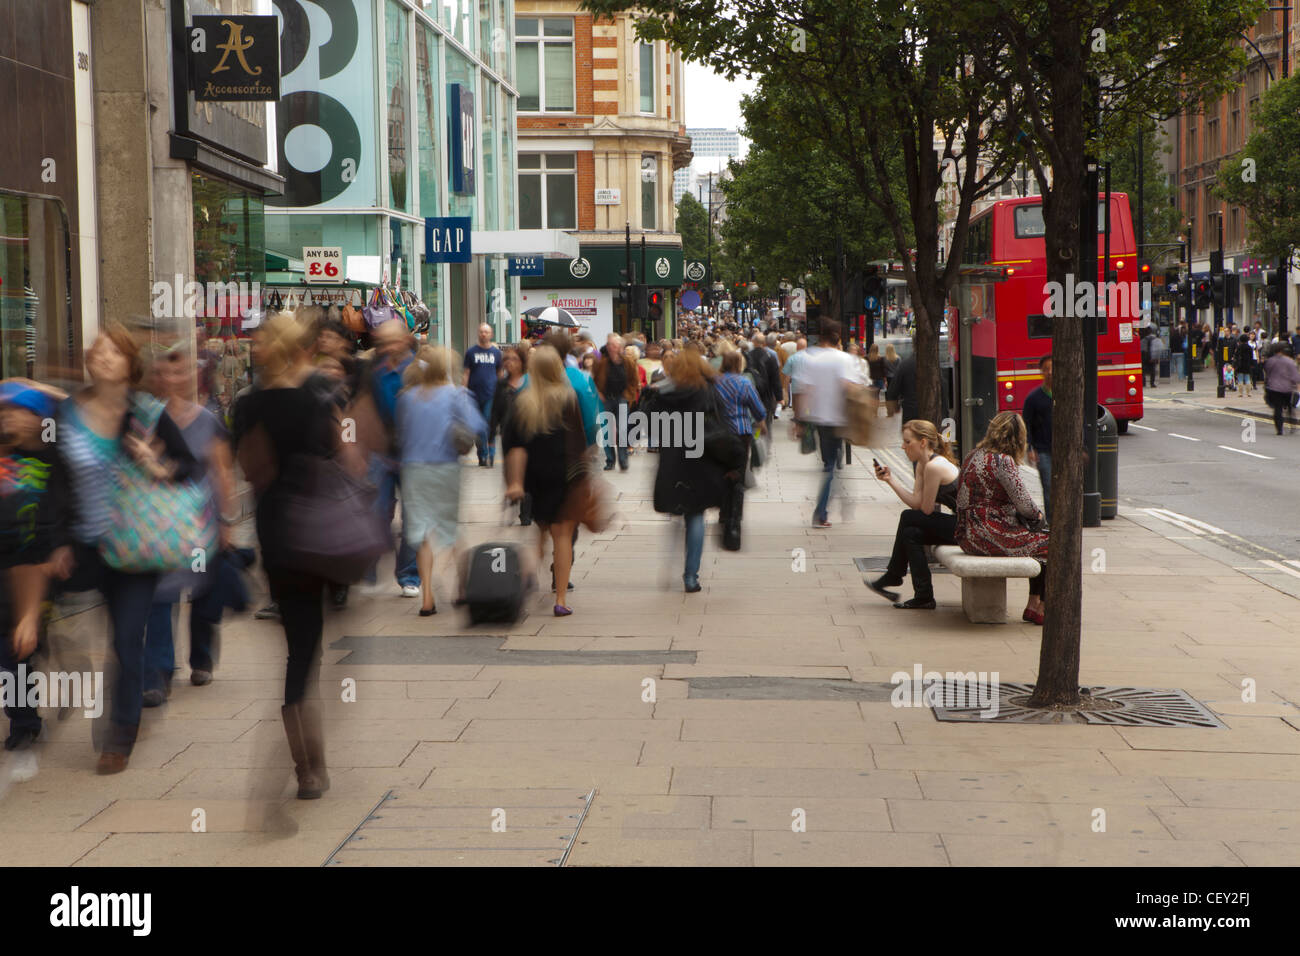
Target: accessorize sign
(234, 58)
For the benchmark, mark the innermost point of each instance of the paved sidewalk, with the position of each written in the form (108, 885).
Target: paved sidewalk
(485, 748)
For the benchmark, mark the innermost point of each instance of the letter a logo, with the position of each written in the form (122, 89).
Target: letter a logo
(237, 44)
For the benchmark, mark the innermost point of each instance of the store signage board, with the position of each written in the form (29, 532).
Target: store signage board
(463, 134)
(608, 197)
(526, 266)
(367, 269)
(447, 239)
(323, 265)
(234, 59)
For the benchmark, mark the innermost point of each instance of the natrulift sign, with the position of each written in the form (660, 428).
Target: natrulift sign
(235, 58)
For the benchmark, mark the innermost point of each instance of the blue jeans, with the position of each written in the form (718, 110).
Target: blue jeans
(483, 442)
(159, 644)
(1045, 474)
(830, 448)
(694, 546)
(21, 719)
(387, 480)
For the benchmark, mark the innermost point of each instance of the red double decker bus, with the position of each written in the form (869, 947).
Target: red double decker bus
(1009, 235)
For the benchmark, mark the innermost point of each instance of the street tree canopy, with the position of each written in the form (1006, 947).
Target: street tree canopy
(1265, 178)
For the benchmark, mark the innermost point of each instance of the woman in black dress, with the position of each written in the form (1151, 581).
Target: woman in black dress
(291, 414)
(546, 458)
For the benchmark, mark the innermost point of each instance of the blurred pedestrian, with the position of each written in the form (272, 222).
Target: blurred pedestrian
(546, 457)
(515, 364)
(376, 404)
(430, 413)
(1281, 382)
(98, 428)
(1038, 428)
(35, 538)
(209, 443)
(616, 381)
(687, 484)
(742, 410)
(820, 403)
(285, 427)
(483, 365)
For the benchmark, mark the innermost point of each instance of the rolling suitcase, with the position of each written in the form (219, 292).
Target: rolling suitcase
(494, 584)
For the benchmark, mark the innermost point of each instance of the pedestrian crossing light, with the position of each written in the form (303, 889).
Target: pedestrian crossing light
(1217, 296)
(1273, 286)
(1202, 292)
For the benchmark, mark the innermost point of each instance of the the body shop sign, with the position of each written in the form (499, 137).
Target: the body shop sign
(327, 98)
(593, 309)
(463, 138)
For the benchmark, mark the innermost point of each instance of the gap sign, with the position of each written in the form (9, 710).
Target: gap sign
(447, 239)
(526, 266)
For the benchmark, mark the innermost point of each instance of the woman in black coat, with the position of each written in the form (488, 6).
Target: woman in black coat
(688, 481)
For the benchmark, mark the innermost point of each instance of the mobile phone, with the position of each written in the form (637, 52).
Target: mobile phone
(876, 463)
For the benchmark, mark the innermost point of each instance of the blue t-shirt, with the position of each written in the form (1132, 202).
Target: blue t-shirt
(484, 368)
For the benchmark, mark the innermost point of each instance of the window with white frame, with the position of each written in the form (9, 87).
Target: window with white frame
(544, 64)
(649, 191)
(548, 191)
(648, 77)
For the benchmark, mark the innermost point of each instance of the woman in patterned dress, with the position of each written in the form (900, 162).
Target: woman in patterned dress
(996, 517)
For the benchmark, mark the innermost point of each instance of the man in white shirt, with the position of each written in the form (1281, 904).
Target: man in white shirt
(819, 402)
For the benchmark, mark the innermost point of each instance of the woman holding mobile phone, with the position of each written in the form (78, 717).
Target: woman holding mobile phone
(934, 484)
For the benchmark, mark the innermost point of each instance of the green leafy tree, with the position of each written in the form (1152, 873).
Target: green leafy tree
(1160, 216)
(1062, 63)
(891, 90)
(1265, 178)
(693, 227)
(786, 205)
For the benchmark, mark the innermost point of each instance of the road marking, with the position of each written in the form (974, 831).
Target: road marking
(1241, 451)
(1144, 428)
(1183, 437)
(1281, 567)
(1168, 516)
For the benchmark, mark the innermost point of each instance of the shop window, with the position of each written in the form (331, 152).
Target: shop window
(548, 191)
(37, 337)
(544, 64)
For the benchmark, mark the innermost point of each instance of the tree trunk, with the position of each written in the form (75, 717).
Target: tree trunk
(1058, 659)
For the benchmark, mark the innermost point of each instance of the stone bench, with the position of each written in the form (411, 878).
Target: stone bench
(984, 581)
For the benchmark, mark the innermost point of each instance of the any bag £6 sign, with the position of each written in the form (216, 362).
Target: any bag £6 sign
(322, 264)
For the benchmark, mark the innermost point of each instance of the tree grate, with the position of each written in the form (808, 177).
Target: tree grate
(1100, 706)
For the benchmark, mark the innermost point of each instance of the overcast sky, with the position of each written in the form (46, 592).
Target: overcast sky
(713, 100)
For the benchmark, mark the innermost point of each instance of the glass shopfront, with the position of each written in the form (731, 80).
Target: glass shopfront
(38, 338)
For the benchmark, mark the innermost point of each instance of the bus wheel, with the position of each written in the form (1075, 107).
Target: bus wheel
(1121, 425)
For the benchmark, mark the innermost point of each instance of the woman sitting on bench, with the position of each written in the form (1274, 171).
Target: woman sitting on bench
(934, 483)
(996, 517)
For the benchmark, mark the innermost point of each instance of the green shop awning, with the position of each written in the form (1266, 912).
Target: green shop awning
(598, 267)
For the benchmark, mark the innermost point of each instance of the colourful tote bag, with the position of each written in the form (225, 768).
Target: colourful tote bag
(155, 525)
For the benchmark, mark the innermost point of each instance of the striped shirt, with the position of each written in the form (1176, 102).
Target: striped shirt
(89, 458)
(740, 405)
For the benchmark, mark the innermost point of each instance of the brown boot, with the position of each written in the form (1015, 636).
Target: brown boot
(309, 787)
(314, 737)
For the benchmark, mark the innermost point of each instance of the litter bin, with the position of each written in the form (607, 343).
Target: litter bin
(1107, 462)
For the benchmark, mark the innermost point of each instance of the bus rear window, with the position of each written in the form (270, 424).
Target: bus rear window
(1040, 326)
(1030, 225)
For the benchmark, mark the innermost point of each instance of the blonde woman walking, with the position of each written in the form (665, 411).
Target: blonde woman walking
(430, 412)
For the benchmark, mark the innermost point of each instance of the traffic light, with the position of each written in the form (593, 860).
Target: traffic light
(1201, 291)
(1273, 286)
(1231, 289)
(656, 298)
(1144, 272)
(640, 302)
(1185, 294)
(1217, 289)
